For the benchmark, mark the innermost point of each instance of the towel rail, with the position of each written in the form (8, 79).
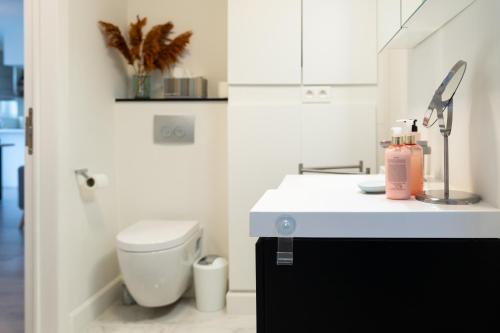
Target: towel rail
(337, 170)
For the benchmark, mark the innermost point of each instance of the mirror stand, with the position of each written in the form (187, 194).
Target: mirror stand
(445, 196)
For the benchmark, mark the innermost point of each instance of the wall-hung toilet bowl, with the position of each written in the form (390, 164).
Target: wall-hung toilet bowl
(156, 259)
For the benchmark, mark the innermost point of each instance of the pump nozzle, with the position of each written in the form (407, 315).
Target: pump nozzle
(407, 123)
(414, 127)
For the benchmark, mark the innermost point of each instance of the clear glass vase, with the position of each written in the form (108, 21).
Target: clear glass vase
(141, 86)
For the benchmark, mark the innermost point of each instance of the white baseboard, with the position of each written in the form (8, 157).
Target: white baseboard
(93, 307)
(241, 302)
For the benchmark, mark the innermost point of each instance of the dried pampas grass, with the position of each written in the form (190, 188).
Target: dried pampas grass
(155, 39)
(114, 38)
(170, 54)
(156, 51)
(135, 37)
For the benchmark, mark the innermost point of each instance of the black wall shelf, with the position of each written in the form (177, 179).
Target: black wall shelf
(172, 100)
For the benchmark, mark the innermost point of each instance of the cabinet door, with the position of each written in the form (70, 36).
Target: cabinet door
(264, 38)
(351, 285)
(263, 147)
(408, 7)
(339, 42)
(388, 21)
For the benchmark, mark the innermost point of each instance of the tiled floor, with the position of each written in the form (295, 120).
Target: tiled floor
(179, 318)
(11, 265)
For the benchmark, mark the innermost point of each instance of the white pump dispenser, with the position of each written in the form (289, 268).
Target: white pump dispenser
(397, 136)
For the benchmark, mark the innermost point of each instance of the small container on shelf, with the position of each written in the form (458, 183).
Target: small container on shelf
(185, 87)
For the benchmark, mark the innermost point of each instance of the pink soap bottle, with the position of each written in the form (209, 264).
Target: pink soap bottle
(397, 167)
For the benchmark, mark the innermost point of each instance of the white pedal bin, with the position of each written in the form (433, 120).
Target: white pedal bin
(210, 283)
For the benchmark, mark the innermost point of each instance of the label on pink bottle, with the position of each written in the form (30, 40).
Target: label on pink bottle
(397, 181)
(398, 175)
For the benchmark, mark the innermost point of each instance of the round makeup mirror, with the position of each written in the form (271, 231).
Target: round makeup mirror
(443, 101)
(452, 80)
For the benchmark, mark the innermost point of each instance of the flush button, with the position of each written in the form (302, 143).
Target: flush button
(173, 129)
(179, 132)
(285, 225)
(166, 132)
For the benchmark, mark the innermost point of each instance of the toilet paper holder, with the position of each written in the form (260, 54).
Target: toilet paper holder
(89, 181)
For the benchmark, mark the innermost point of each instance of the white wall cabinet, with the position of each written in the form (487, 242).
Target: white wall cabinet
(388, 21)
(408, 7)
(339, 42)
(275, 46)
(270, 132)
(264, 146)
(418, 19)
(264, 40)
(285, 42)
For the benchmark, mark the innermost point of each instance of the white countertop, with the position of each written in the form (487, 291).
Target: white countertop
(334, 206)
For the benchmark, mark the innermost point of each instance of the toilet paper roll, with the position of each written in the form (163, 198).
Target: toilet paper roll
(97, 181)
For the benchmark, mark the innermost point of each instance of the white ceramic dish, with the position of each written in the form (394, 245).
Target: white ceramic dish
(372, 186)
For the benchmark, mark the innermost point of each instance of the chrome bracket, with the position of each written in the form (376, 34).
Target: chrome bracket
(284, 255)
(285, 227)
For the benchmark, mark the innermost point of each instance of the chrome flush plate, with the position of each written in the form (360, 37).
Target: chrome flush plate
(173, 129)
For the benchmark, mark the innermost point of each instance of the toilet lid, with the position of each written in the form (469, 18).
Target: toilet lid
(156, 235)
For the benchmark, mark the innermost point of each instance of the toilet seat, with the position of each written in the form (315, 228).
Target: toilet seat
(155, 235)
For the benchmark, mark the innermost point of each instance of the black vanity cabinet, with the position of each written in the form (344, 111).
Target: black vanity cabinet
(379, 285)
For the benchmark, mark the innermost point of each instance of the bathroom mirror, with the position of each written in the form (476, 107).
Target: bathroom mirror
(442, 102)
(443, 97)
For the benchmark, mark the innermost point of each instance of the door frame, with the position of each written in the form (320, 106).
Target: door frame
(30, 259)
(45, 46)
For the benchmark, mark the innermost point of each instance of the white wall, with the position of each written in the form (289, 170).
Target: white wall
(475, 140)
(392, 94)
(171, 182)
(207, 55)
(87, 229)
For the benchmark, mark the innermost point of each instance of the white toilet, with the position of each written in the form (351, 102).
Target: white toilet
(156, 259)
